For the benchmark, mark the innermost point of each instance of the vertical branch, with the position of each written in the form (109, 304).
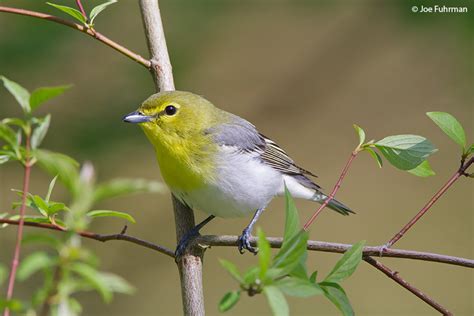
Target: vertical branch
(190, 264)
(16, 255)
(160, 61)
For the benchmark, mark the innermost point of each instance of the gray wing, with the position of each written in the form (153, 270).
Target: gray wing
(243, 135)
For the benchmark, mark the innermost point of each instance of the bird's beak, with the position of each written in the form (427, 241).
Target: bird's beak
(137, 117)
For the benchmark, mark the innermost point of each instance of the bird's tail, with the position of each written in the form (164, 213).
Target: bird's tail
(334, 205)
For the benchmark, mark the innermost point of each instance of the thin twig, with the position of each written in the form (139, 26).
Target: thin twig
(396, 277)
(100, 37)
(460, 172)
(98, 237)
(81, 8)
(334, 190)
(21, 222)
(275, 242)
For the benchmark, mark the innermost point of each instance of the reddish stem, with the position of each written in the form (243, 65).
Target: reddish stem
(100, 37)
(334, 190)
(19, 237)
(81, 8)
(461, 171)
(394, 276)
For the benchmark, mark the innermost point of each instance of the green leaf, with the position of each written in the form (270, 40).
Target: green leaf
(276, 300)
(60, 165)
(96, 10)
(43, 94)
(116, 283)
(347, 264)
(107, 213)
(264, 253)
(228, 301)
(423, 170)
(3, 273)
(375, 155)
(298, 287)
(40, 205)
(335, 293)
(35, 219)
(450, 126)
(313, 276)
(232, 269)
(299, 271)
(405, 151)
(92, 277)
(13, 305)
(291, 253)
(361, 134)
(55, 207)
(70, 11)
(292, 221)
(251, 275)
(8, 135)
(121, 187)
(21, 95)
(470, 151)
(50, 188)
(46, 239)
(4, 159)
(40, 132)
(35, 262)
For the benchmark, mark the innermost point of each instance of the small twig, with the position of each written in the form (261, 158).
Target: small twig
(334, 190)
(396, 277)
(98, 237)
(81, 8)
(100, 37)
(21, 222)
(460, 172)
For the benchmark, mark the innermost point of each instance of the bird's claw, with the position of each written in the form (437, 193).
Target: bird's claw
(244, 243)
(185, 242)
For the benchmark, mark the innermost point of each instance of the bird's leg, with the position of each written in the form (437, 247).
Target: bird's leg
(244, 239)
(189, 236)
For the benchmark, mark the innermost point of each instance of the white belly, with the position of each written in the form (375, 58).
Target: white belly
(242, 185)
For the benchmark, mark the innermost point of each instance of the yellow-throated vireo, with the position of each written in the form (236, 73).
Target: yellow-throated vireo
(218, 162)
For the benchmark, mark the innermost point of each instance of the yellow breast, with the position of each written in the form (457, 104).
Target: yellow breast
(185, 165)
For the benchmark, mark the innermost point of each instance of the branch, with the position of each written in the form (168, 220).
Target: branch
(78, 27)
(21, 222)
(99, 237)
(394, 276)
(190, 264)
(460, 172)
(275, 242)
(230, 241)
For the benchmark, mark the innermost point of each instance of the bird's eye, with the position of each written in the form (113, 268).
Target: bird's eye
(170, 110)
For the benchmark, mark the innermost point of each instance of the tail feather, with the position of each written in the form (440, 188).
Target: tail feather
(337, 206)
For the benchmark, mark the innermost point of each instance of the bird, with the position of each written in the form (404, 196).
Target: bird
(219, 163)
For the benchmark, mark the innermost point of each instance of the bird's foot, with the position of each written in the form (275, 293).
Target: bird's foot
(185, 242)
(244, 242)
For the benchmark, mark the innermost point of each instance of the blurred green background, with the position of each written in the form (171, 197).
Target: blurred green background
(303, 72)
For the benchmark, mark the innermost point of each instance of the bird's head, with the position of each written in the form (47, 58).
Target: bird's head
(174, 117)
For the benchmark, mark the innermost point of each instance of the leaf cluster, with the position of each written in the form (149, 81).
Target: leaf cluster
(410, 152)
(286, 272)
(77, 15)
(65, 265)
